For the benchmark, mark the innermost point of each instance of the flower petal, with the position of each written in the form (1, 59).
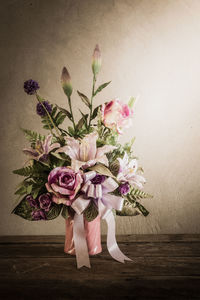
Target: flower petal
(103, 150)
(88, 147)
(68, 151)
(61, 190)
(47, 143)
(54, 146)
(73, 144)
(30, 152)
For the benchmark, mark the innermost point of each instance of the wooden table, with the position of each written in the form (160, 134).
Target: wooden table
(163, 267)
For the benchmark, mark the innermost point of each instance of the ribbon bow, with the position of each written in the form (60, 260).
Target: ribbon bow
(106, 202)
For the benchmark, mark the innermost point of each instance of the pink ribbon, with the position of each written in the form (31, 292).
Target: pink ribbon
(106, 202)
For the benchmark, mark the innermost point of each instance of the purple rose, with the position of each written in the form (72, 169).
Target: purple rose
(40, 109)
(38, 215)
(33, 202)
(31, 86)
(45, 201)
(98, 179)
(124, 188)
(64, 183)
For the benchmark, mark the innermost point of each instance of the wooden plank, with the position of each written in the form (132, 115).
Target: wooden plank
(102, 268)
(133, 250)
(156, 287)
(120, 238)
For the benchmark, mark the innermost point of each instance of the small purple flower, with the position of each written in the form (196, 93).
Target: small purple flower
(124, 188)
(45, 201)
(98, 179)
(33, 202)
(31, 86)
(38, 215)
(40, 109)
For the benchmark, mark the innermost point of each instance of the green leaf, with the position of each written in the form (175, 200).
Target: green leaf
(142, 209)
(36, 192)
(131, 102)
(58, 155)
(71, 130)
(24, 210)
(47, 123)
(53, 113)
(66, 112)
(82, 121)
(21, 191)
(60, 118)
(29, 189)
(101, 87)
(139, 194)
(114, 167)
(65, 213)
(80, 124)
(37, 170)
(54, 211)
(95, 112)
(33, 136)
(26, 171)
(101, 169)
(128, 210)
(84, 99)
(91, 212)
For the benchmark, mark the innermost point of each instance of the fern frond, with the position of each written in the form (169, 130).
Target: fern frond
(139, 194)
(33, 136)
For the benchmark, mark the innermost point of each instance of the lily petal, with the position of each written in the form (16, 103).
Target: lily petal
(47, 143)
(31, 152)
(105, 149)
(54, 146)
(88, 147)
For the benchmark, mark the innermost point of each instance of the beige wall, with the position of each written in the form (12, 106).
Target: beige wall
(151, 48)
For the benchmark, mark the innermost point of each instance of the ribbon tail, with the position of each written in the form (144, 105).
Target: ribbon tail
(112, 246)
(82, 256)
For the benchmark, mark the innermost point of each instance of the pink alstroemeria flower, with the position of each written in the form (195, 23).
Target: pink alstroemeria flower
(127, 172)
(85, 153)
(42, 149)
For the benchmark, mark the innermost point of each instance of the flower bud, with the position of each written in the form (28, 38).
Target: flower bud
(66, 82)
(96, 60)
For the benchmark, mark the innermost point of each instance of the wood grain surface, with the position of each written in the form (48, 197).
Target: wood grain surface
(162, 267)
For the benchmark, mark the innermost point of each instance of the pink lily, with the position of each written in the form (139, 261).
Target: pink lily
(128, 172)
(85, 153)
(42, 149)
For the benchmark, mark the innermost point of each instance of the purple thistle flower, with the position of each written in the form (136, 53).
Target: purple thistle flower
(33, 202)
(31, 86)
(124, 188)
(38, 215)
(40, 109)
(98, 179)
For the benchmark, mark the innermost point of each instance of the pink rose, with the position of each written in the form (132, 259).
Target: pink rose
(116, 115)
(64, 183)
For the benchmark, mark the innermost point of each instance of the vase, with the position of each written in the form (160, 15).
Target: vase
(92, 234)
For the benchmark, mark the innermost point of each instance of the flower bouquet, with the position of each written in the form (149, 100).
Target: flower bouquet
(81, 172)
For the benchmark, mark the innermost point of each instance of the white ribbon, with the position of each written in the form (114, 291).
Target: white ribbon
(106, 202)
(80, 243)
(112, 246)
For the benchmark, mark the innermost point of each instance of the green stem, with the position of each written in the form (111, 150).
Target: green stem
(70, 107)
(49, 116)
(93, 88)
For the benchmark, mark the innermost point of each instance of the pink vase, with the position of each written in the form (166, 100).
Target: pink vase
(92, 232)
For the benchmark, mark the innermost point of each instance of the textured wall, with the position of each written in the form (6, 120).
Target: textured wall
(151, 48)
